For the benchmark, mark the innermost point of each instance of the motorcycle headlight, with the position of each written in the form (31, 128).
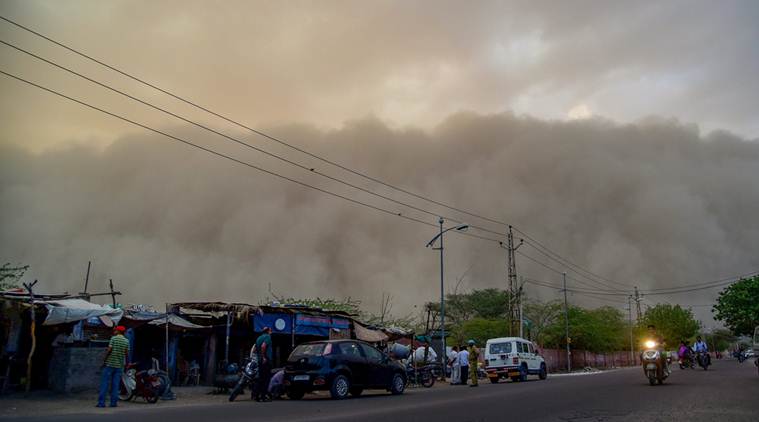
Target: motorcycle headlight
(650, 344)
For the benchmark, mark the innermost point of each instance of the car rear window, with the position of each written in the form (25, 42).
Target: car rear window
(308, 350)
(500, 348)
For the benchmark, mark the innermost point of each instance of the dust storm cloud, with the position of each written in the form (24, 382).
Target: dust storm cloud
(652, 203)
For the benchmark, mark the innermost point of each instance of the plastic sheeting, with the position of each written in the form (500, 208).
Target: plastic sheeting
(176, 321)
(368, 335)
(73, 310)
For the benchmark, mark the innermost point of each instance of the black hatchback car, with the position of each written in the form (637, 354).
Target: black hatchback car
(343, 367)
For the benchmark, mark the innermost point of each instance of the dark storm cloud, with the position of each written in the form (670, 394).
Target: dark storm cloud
(652, 203)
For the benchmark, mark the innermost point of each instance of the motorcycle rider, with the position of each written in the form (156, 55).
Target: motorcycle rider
(654, 335)
(700, 347)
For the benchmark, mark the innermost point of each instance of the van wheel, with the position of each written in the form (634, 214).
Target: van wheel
(543, 374)
(340, 388)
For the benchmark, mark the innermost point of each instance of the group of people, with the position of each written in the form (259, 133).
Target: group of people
(463, 362)
(686, 352)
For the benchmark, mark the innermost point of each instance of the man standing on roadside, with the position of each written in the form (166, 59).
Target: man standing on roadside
(453, 362)
(474, 359)
(263, 349)
(113, 366)
(464, 363)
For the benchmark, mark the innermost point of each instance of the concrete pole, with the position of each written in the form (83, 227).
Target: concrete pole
(566, 324)
(630, 311)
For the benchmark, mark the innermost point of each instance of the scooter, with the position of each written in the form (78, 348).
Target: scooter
(654, 363)
(145, 384)
(248, 377)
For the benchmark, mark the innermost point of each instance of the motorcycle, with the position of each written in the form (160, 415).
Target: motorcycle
(248, 377)
(686, 362)
(654, 363)
(704, 360)
(423, 375)
(146, 384)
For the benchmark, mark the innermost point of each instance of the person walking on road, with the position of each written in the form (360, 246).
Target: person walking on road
(453, 362)
(474, 358)
(113, 366)
(464, 364)
(263, 349)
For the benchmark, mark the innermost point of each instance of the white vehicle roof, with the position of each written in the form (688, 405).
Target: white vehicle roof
(506, 339)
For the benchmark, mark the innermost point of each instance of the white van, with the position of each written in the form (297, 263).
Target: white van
(513, 357)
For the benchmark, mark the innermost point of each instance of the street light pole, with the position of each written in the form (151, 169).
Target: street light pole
(566, 324)
(443, 354)
(460, 227)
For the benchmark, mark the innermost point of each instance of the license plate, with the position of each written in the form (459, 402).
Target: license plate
(300, 378)
(651, 366)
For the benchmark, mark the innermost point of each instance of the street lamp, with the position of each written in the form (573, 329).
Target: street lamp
(460, 228)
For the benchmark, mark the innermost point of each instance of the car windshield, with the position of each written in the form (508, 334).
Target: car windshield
(307, 350)
(500, 348)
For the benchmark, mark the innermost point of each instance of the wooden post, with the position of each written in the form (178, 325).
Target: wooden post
(113, 293)
(167, 338)
(29, 287)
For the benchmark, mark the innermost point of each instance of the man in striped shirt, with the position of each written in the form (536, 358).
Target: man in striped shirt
(113, 366)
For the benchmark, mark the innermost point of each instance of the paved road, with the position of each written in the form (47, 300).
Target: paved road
(727, 392)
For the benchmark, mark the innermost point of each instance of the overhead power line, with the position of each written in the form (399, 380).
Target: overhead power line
(293, 147)
(239, 141)
(228, 157)
(253, 130)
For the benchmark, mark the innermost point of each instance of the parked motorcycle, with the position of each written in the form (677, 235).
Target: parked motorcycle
(704, 360)
(145, 384)
(423, 375)
(248, 377)
(654, 363)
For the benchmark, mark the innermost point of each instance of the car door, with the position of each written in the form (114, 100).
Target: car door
(377, 374)
(353, 357)
(532, 358)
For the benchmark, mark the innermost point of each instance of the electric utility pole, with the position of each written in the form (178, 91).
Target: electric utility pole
(630, 312)
(566, 325)
(638, 298)
(511, 264)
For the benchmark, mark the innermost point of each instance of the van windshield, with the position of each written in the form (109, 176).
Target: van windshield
(500, 348)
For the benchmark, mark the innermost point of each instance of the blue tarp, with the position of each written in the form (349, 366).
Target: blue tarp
(312, 325)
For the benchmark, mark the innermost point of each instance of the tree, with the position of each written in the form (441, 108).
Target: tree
(721, 339)
(540, 316)
(479, 330)
(738, 306)
(10, 275)
(596, 330)
(673, 323)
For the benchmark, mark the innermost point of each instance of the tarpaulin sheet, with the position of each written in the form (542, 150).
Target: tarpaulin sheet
(319, 325)
(72, 310)
(369, 335)
(280, 323)
(176, 321)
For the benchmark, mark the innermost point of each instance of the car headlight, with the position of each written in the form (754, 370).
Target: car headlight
(650, 344)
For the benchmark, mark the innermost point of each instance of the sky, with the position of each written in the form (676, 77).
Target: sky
(621, 134)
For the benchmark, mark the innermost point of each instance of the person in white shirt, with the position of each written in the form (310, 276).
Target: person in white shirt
(464, 363)
(453, 362)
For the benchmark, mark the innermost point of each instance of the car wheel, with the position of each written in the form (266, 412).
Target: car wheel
(340, 387)
(494, 380)
(543, 372)
(523, 373)
(356, 391)
(398, 384)
(295, 394)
